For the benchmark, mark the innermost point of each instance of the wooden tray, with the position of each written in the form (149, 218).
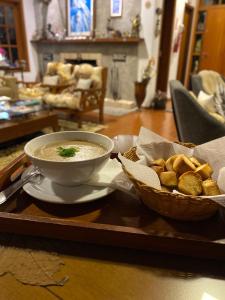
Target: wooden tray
(116, 220)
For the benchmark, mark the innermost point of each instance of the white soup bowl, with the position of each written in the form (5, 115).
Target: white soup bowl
(69, 173)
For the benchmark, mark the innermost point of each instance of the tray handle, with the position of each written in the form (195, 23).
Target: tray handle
(13, 170)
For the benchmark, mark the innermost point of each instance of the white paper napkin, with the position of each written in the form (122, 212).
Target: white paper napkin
(112, 175)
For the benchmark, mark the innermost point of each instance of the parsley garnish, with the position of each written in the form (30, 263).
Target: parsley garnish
(67, 152)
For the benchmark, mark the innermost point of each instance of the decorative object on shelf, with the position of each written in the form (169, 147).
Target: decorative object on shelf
(135, 26)
(44, 9)
(116, 8)
(50, 32)
(111, 32)
(158, 12)
(36, 35)
(140, 86)
(198, 45)
(80, 17)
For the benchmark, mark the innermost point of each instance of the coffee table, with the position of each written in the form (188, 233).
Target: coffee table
(31, 123)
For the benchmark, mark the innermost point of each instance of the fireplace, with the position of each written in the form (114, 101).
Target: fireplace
(94, 59)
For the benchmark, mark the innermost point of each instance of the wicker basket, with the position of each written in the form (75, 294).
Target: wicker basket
(175, 206)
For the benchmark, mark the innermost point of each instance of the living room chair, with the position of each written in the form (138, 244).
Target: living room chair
(193, 123)
(207, 81)
(86, 92)
(8, 87)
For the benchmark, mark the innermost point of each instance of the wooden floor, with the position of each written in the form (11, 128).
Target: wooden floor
(159, 121)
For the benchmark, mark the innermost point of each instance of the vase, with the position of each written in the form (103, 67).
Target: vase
(140, 91)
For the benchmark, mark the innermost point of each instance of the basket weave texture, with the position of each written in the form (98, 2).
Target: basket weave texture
(172, 205)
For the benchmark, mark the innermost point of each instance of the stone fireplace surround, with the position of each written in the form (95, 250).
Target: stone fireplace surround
(120, 59)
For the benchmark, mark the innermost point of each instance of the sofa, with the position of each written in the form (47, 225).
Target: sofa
(194, 123)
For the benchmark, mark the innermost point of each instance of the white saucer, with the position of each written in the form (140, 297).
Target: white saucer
(48, 191)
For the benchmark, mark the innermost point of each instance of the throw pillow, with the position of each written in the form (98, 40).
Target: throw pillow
(84, 83)
(218, 117)
(51, 80)
(220, 99)
(207, 101)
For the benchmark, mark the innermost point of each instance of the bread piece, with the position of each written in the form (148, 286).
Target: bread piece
(205, 171)
(169, 162)
(195, 161)
(159, 162)
(166, 189)
(157, 169)
(190, 183)
(168, 178)
(210, 188)
(183, 164)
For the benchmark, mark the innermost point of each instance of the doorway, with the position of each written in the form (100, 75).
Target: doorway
(165, 44)
(185, 42)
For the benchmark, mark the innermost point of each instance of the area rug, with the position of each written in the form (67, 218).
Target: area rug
(9, 151)
(117, 111)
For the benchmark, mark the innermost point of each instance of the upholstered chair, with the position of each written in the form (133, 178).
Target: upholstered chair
(8, 87)
(84, 91)
(193, 123)
(207, 81)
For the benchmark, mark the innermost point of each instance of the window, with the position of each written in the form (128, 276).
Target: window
(12, 33)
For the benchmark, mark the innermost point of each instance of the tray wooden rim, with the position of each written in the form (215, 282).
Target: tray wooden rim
(106, 234)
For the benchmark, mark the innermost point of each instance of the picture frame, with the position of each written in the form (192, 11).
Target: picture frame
(80, 18)
(116, 7)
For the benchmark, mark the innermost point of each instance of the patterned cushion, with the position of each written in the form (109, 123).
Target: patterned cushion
(84, 83)
(65, 100)
(207, 101)
(51, 80)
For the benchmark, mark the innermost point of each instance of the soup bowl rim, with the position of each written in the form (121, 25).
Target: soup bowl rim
(106, 153)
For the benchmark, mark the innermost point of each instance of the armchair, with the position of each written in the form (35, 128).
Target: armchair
(193, 123)
(8, 87)
(85, 93)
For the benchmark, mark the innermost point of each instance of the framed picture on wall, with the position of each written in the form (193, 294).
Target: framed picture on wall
(80, 17)
(116, 8)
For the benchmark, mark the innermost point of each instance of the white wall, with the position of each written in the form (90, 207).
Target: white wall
(150, 47)
(148, 17)
(174, 56)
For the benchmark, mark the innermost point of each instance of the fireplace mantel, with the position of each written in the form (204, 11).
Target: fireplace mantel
(128, 40)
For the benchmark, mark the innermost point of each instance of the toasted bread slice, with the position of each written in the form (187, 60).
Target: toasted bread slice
(190, 183)
(159, 162)
(169, 162)
(166, 189)
(183, 164)
(168, 178)
(195, 161)
(158, 169)
(205, 171)
(210, 188)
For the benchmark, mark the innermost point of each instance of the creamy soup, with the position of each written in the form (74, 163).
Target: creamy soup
(70, 151)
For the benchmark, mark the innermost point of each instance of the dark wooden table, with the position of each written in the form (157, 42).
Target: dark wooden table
(18, 127)
(106, 272)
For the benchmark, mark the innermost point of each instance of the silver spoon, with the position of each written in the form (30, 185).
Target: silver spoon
(9, 191)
